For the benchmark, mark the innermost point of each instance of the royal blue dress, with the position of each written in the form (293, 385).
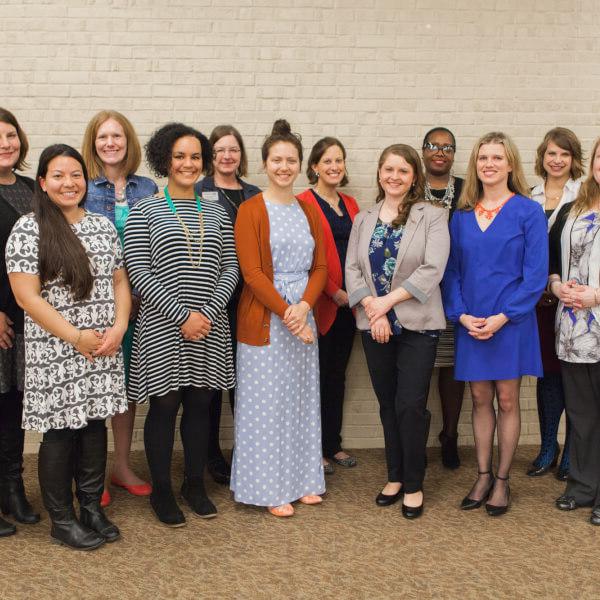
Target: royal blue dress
(503, 269)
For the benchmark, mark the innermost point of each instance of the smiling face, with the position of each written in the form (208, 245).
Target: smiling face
(332, 166)
(111, 143)
(396, 176)
(282, 165)
(227, 156)
(557, 161)
(438, 162)
(10, 146)
(64, 183)
(492, 165)
(186, 162)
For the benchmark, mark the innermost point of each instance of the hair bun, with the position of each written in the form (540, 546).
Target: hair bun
(281, 127)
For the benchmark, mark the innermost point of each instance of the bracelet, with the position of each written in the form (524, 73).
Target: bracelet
(76, 343)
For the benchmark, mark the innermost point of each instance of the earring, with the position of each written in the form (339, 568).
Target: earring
(316, 173)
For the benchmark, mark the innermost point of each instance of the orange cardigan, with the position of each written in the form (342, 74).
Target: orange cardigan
(259, 297)
(326, 308)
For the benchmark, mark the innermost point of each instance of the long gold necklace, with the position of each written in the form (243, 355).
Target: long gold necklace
(190, 237)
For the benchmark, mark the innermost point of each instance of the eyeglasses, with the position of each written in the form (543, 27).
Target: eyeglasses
(222, 151)
(447, 149)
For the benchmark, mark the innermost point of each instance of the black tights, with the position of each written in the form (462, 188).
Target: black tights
(11, 410)
(159, 433)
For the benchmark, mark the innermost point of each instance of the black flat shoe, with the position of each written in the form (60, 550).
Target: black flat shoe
(562, 474)
(450, 458)
(220, 471)
(387, 500)
(565, 502)
(469, 503)
(165, 507)
(595, 516)
(535, 471)
(412, 512)
(494, 510)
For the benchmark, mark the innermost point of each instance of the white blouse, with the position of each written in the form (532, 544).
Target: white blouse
(570, 192)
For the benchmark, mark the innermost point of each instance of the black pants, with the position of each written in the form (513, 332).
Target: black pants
(581, 383)
(159, 432)
(216, 403)
(335, 348)
(400, 373)
(12, 436)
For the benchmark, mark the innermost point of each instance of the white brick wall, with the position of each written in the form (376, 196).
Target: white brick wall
(371, 72)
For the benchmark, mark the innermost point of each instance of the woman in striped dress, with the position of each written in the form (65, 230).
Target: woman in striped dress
(180, 256)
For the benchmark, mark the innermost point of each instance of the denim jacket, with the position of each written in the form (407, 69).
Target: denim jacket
(101, 194)
(208, 185)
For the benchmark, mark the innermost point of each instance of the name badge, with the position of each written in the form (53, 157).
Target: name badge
(210, 196)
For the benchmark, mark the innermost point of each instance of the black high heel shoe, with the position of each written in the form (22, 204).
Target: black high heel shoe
(494, 510)
(469, 503)
(534, 471)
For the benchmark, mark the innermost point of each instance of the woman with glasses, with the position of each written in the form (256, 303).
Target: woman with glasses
(224, 183)
(559, 163)
(444, 188)
(496, 273)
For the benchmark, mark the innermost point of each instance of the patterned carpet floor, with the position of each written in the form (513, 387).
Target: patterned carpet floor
(346, 548)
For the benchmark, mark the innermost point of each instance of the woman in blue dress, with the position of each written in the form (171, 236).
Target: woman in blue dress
(496, 273)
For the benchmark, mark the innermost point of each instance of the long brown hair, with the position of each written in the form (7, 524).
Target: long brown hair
(133, 156)
(416, 192)
(472, 190)
(7, 117)
(589, 192)
(220, 131)
(60, 252)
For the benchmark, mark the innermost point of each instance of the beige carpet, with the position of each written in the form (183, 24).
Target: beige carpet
(345, 548)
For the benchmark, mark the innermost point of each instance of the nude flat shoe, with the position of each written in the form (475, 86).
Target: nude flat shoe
(285, 510)
(311, 499)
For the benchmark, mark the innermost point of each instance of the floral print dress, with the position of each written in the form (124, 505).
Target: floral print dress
(578, 339)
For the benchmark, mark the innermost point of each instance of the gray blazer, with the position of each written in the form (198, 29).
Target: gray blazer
(420, 266)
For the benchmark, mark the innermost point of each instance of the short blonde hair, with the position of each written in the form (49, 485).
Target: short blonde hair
(133, 156)
(472, 190)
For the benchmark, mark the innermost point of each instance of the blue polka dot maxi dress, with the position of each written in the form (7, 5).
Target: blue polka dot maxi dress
(277, 456)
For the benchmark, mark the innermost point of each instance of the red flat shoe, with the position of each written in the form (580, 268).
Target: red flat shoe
(106, 499)
(144, 489)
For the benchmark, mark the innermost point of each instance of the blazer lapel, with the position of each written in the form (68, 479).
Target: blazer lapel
(414, 218)
(368, 227)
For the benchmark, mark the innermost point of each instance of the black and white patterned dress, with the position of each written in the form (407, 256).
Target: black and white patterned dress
(63, 390)
(160, 269)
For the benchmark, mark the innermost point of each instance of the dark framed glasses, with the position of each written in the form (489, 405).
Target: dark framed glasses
(446, 149)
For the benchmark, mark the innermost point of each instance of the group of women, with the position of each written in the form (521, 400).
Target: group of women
(116, 293)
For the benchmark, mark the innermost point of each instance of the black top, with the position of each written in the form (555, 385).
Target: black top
(232, 197)
(439, 194)
(340, 227)
(248, 190)
(15, 200)
(555, 261)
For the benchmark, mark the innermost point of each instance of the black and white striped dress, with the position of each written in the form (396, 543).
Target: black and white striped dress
(160, 269)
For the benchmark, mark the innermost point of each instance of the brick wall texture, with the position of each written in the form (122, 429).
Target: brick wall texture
(371, 72)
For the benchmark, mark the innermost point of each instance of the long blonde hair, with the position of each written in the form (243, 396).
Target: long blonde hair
(589, 192)
(472, 190)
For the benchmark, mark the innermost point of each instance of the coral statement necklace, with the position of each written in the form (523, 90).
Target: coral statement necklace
(490, 213)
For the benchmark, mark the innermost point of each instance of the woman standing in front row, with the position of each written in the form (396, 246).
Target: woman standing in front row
(442, 187)
(66, 270)
(396, 258)
(575, 280)
(180, 256)
(112, 154)
(279, 241)
(224, 183)
(335, 321)
(559, 163)
(496, 274)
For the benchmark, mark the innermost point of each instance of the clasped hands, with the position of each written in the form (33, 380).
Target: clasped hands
(92, 343)
(294, 319)
(483, 328)
(376, 310)
(196, 327)
(573, 294)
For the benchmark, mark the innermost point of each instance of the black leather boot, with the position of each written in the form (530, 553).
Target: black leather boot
(6, 528)
(90, 468)
(12, 491)
(55, 473)
(194, 493)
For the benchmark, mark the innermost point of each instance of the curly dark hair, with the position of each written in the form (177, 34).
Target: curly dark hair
(160, 146)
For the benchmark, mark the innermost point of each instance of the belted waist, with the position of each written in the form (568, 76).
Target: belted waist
(290, 277)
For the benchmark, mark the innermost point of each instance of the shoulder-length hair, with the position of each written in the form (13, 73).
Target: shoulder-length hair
(589, 192)
(472, 190)
(133, 156)
(416, 192)
(316, 154)
(564, 138)
(60, 252)
(7, 117)
(221, 131)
